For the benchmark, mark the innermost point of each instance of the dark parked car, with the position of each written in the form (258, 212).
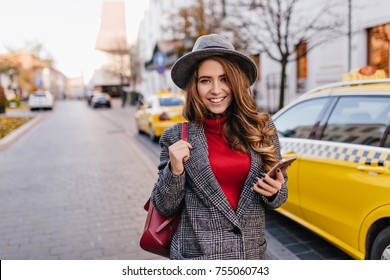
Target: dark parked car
(99, 99)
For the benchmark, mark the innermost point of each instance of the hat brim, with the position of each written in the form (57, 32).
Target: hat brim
(184, 66)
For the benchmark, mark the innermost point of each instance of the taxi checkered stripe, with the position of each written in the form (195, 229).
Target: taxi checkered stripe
(351, 154)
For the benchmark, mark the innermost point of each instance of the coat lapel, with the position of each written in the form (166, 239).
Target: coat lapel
(247, 194)
(199, 170)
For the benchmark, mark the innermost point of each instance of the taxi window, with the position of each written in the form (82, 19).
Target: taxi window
(298, 121)
(170, 101)
(358, 120)
(386, 142)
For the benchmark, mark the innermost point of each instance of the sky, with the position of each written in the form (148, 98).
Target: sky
(67, 29)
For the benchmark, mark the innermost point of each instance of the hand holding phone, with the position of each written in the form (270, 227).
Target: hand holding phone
(282, 165)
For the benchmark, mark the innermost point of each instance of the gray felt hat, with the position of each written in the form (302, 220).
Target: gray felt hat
(207, 46)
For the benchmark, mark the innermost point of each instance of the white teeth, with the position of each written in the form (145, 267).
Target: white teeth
(216, 100)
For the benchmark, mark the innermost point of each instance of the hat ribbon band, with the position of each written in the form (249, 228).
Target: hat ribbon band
(215, 47)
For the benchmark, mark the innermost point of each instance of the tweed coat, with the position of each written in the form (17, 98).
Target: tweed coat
(209, 227)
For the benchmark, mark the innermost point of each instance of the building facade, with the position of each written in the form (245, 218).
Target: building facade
(112, 45)
(368, 44)
(154, 40)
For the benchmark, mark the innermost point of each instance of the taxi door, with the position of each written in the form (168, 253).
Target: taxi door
(295, 124)
(345, 175)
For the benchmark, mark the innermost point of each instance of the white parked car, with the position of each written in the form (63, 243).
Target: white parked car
(41, 100)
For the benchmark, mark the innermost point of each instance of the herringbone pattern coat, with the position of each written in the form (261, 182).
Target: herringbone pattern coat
(209, 228)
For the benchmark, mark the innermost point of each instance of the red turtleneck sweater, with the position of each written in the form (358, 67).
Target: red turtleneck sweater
(230, 167)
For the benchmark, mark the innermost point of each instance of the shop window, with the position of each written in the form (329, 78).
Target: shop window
(256, 59)
(301, 50)
(378, 47)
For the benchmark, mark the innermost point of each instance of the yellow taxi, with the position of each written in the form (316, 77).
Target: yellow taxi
(339, 187)
(158, 112)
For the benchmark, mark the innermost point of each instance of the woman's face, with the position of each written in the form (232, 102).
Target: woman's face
(212, 86)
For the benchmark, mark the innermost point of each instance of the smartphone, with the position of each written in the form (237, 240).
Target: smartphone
(282, 165)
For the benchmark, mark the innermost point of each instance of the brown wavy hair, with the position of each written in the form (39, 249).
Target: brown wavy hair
(245, 126)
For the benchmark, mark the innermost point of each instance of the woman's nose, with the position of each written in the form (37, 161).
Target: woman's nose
(216, 88)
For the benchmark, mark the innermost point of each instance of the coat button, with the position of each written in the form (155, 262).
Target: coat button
(236, 230)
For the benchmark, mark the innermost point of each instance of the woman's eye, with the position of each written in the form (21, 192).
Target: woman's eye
(203, 81)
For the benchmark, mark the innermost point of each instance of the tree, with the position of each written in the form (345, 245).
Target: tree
(202, 17)
(277, 27)
(21, 64)
(119, 65)
(39, 52)
(7, 62)
(135, 68)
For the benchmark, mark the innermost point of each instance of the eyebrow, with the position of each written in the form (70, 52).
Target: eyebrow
(203, 77)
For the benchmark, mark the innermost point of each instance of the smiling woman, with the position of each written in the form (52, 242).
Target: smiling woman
(220, 172)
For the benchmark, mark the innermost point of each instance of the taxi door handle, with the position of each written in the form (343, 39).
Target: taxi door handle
(371, 169)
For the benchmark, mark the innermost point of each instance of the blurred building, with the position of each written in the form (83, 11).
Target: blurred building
(112, 37)
(370, 37)
(76, 88)
(367, 45)
(157, 47)
(106, 81)
(112, 41)
(28, 73)
(54, 81)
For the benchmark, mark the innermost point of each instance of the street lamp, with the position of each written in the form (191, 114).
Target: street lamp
(349, 34)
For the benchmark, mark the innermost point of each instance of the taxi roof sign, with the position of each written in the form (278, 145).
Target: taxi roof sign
(367, 72)
(346, 84)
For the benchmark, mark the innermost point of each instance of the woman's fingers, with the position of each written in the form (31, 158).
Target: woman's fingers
(179, 153)
(257, 188)
(267, 186)
(180, 150)
(279, 176)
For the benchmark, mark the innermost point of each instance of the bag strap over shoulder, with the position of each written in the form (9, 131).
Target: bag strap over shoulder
(184, 131)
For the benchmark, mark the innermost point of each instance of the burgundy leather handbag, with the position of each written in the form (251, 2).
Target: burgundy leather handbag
(158, 231)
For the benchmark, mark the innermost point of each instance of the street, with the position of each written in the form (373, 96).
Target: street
(74, 187)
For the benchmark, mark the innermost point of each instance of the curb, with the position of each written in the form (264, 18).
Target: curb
(19, 132)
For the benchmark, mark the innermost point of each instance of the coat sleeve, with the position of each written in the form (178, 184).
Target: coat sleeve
(168, 191)
(281, 197)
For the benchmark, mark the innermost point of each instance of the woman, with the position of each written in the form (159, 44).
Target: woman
(218, 178)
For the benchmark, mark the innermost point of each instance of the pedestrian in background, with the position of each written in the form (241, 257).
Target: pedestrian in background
(3, 99)
(217, 180)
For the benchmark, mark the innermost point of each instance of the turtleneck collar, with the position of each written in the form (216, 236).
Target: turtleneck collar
(215, 125)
